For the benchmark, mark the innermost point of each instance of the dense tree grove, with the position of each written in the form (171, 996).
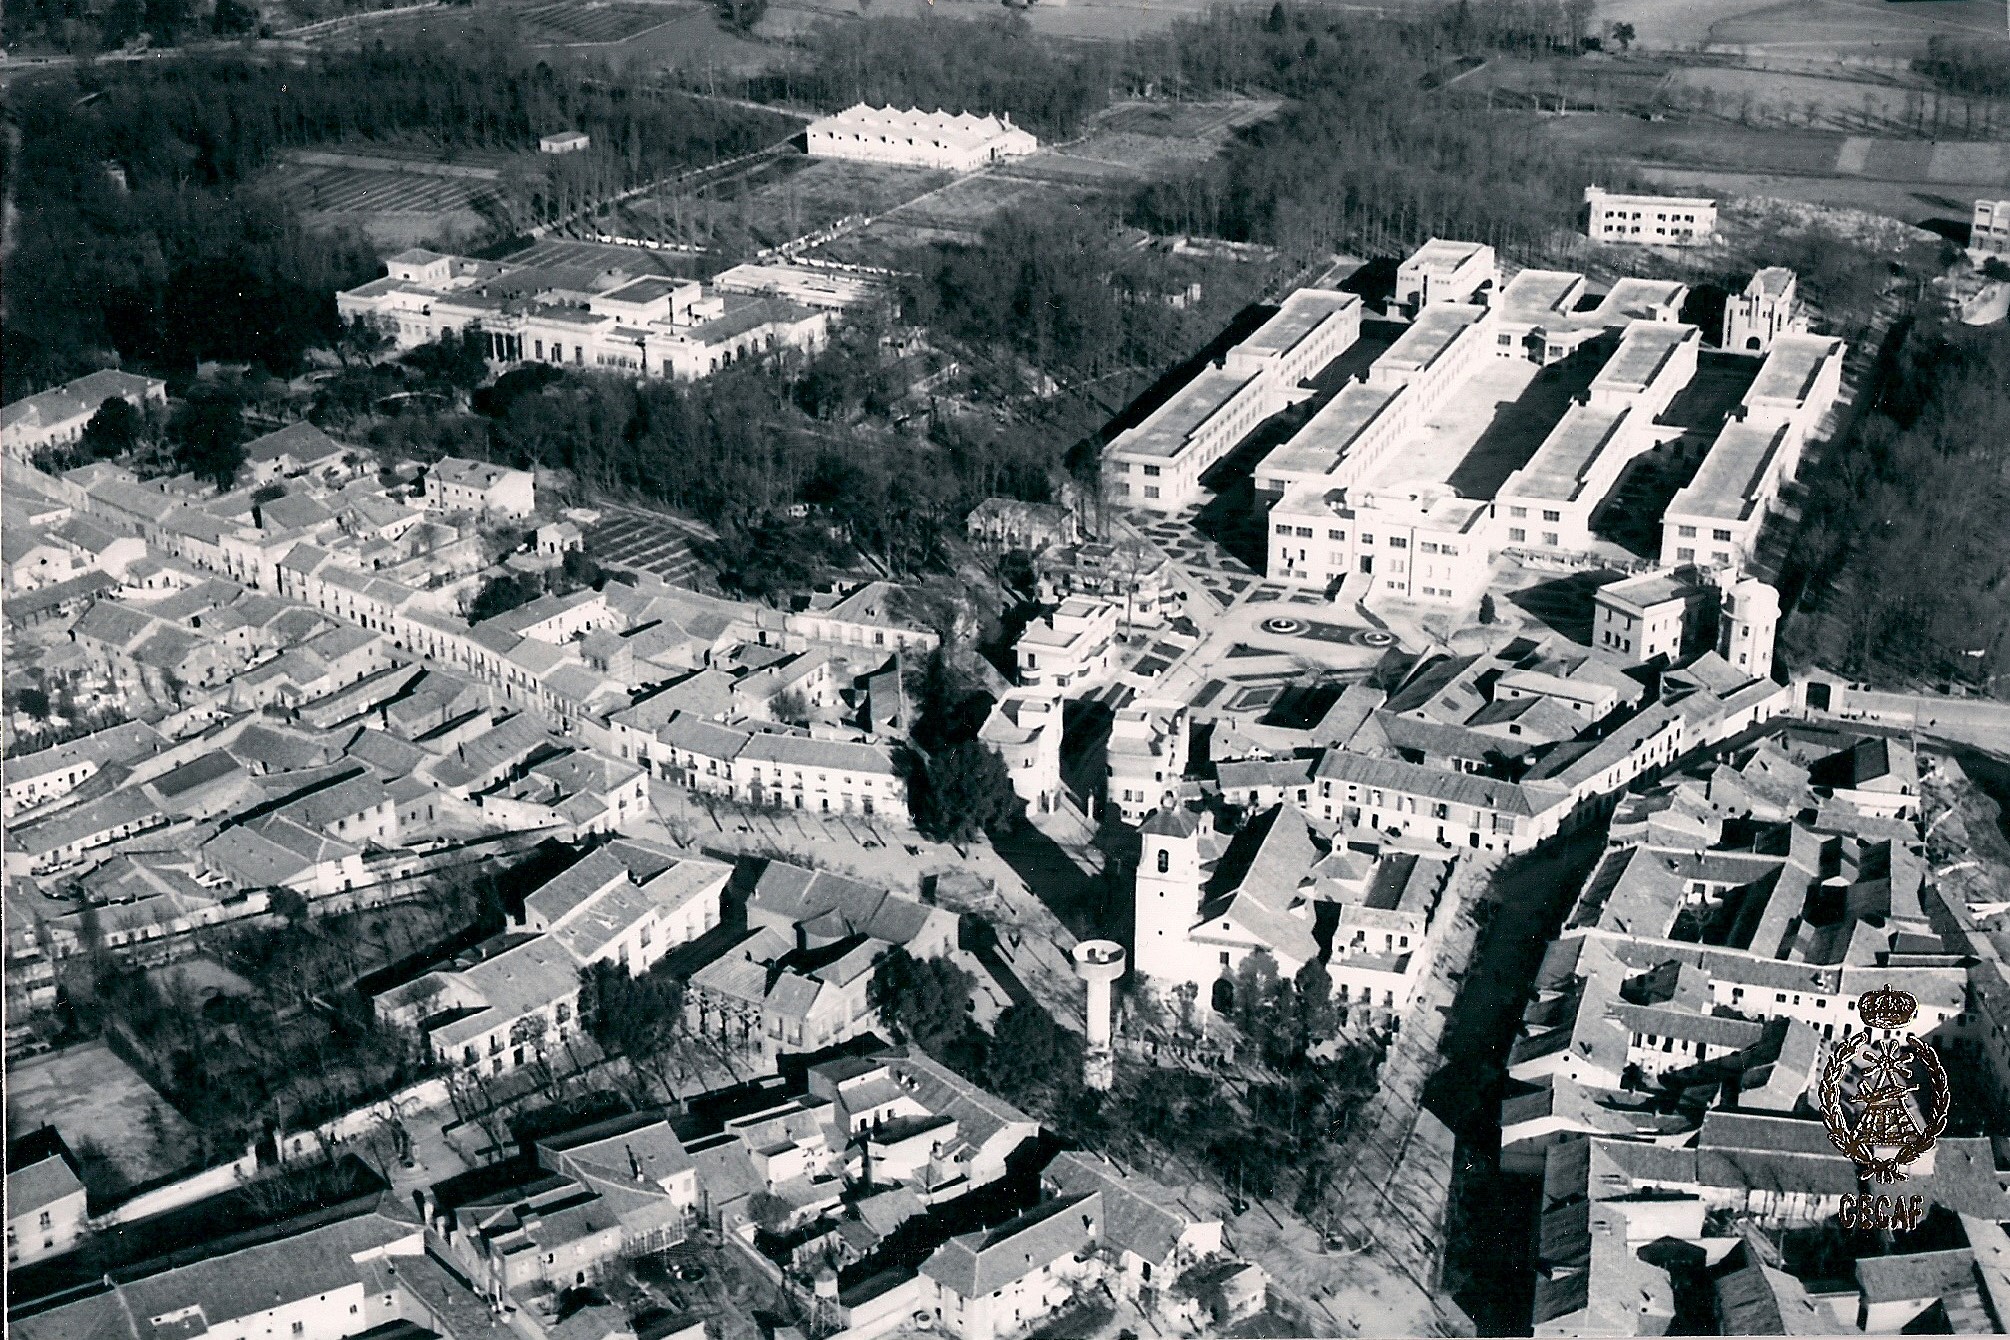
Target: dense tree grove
(997, 65)
(1903, 558)
(928, 1000)
(143, 235)
(1365, 154)
(963, 791)
(1981, 69)
(1066, 296)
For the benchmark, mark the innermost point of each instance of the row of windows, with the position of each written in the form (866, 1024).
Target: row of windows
(1548, 514)
(1689, 556)
(1516, 535)
(1719, 534)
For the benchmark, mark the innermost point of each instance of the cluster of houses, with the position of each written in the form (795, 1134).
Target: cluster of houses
(1665, 1083)
(319, 715)
(853, 1188)
(1348, 829)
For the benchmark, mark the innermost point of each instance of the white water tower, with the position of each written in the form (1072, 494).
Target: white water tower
(1099, 963)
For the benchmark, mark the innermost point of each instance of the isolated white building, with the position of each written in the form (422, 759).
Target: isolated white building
(953, 142)
(648, 324)
(1989, 231)
(1653, 220)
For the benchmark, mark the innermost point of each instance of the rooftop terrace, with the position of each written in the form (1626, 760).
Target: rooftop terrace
(1789, 370)
(1643, 352)
(1324, 440)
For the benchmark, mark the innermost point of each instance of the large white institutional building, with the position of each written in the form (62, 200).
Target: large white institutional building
(954, 142)
(652, 325)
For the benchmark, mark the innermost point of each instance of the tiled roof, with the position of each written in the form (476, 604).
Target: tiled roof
(972, 1265)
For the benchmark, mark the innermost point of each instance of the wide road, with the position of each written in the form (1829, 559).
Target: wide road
(1977, 721)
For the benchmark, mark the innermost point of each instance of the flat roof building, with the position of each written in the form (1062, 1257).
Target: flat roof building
(1313, 327)
(1445, 271)
(1716, 519)
(1157, 464)
(1654, 220)
(1348, 437)
(1410, 542)
(650, 324)
(1989, 230)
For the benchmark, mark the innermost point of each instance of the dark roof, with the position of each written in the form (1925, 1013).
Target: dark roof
(1864, 761)
(196, 772)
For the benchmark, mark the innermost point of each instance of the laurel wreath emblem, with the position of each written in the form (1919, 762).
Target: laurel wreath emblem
(1829, 1094)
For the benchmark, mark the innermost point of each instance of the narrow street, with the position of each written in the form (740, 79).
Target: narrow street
(1491, 1225)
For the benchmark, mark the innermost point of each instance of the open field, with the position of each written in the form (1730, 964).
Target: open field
(88, 1093)
(1898, 200)
(1909, 180)
(1130, 143)
(686, 36)
(1157, 138)
(599, 255)
(1107, 20)
(957, 213)
(1711, 145)
(397, 194)
(1805, 29)
(1749, 92)
(594, 24)
(777, 200)
(645, 542)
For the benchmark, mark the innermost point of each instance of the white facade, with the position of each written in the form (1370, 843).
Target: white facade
(1445, 271)
(951, 142)
(1651, 616)
(1989, 231)
(1767, 309)
(649, 325)
(455, 484)
(1414, 543)
(57, 417)
(1654, 220)
(1147, 757)
(46, 1215)
(1074, 647)
(1747, 625)
(1157, 464)
(1715, 520)
(1024, 729)
(1548, 504)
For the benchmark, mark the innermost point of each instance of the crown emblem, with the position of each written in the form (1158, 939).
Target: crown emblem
(1886, 1008)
